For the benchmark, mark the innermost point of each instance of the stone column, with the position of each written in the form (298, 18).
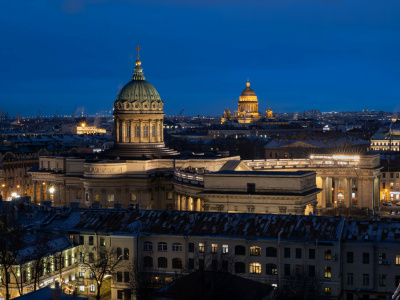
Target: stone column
(360, 191)
(131, 131)
(183, 203)
(177, 202)
(198, 204)
(117, 128)
(123, 131)
(157, 131)
(41, 193)
(161, 132)
(347, 192)
(335, 191)
(141, 131)
(34, 196)
(323, 192)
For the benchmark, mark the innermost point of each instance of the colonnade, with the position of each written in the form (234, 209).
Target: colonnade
(139, 131)
(354, 191)
(185, 202)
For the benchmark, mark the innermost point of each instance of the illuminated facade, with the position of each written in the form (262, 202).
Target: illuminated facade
(390, 186)
(345, 180)
(247, 108)
(386, 141)
(84, 128)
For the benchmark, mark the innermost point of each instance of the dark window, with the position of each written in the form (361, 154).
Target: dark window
(365, 279)
(382, 280)
(119, 294)
(349, 278)
(147, 262)
(240, 267)
(191, 264)
(91, 257)
(162, 262)
(191, 247)
(119, 253)
(225, 266)
(286, 253)
(271, 269)
(251, 188)
(271, 252)
(365, 258)
(126, 276)
(311, 270)
(298, 252)
(311, 253)
(286, 270)
(299, 270)
(396, 281)
(201, 264)
(214, 265)
(240, 250)
(383, 185)
(102, 241)
(90, 240)
(119, 276)
(126, 253)
(81, 240)
(177, 263)
(350, 257)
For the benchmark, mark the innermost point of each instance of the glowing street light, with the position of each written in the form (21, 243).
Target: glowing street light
(51, 190)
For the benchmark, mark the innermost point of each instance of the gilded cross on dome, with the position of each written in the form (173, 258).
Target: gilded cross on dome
(138, 48)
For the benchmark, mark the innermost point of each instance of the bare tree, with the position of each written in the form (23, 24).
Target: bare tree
(40, 250)
(11, 244)
(100, 263)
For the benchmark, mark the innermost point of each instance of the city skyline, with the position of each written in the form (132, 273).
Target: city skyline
(330, 56)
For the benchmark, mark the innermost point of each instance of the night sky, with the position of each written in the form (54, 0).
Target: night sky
(328, 55)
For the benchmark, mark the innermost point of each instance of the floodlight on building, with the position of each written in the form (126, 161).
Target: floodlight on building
(3, 185)
(51, 190)
(44, 183)
(346, 157)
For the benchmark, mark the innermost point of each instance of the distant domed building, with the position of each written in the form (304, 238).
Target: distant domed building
(247, 108)
(138, 119)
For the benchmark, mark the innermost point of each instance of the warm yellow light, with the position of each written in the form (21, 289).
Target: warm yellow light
(44, 183)
(346, 157)
(51, 190)
(83, 124)
(18, 186)
(3, 185)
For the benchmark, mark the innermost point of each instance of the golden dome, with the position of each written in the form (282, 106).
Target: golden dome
(248, 91)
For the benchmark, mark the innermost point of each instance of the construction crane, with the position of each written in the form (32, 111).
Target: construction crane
(180, 113)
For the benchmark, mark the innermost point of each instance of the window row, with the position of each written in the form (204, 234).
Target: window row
(162, 246)
(162, 263)
(125, 255)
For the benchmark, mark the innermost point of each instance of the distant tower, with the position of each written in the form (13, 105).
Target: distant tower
(138, 119)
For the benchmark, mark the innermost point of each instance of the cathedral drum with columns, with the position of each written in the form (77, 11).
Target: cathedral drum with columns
(138, 118)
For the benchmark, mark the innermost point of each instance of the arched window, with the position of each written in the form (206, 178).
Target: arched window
(126, 253)
(240, 267)
(177, 263)
(255, 251)
(271, 269)
(240, 250)
(255, 268)
(162, 246)
(148, 246)
(119, 253)
(162, 262)
(147, 262)
(271, 252)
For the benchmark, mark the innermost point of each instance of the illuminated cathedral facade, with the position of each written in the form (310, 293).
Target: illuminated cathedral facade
(247, 109)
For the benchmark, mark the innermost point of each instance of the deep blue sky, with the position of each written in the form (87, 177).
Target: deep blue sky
(299, 54)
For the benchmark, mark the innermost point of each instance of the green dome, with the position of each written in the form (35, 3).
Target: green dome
(138, 89)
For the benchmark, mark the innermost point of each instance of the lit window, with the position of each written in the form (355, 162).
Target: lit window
(82, 288)
(225, 249)
(214, 248)
(328, 254)
(328, 273)
(201, 247)
(96, 197)
(92, 288)
(397, 259)
(133, 197)
(255, 251)
(255, 268)
(110, 197)
(327, 290)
